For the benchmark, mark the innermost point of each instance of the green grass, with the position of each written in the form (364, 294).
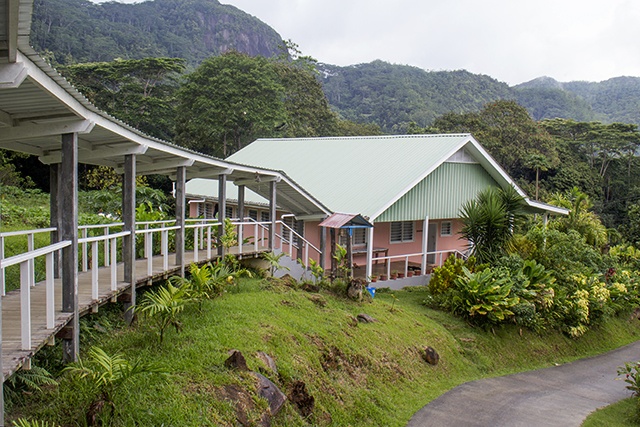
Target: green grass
(359, 374)
(620, 414)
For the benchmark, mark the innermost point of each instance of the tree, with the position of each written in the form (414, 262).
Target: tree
(507, 131)
(140, 92)
(227, 102)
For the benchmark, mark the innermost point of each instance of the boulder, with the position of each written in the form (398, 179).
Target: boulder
(236, 361)
(268, 361)
(431, 356)
(365, 318)
(269, 391)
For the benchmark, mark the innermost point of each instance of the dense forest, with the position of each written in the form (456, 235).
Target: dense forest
(80, 31)
(224, 83)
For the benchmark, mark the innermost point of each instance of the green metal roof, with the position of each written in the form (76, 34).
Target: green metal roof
(375, 175)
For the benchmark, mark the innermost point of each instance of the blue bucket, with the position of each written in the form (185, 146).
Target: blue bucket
(372, 291)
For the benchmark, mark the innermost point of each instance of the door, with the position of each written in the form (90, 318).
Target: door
(432, 235)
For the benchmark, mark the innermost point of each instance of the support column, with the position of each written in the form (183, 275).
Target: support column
(54, 215)
(350, 252)
(272, 214)
(425, 242)
(129, 242)
(68, 209)
(299, 228)
(222, 210)
(332, 253)
(369, 271)
(181, 182)
(323, 247)
(241, 215)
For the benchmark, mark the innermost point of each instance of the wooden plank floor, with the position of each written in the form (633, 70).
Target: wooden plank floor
(13, 357)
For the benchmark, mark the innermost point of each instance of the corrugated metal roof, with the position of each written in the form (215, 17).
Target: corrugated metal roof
(355, 174)
(344, 220)
(208, 188)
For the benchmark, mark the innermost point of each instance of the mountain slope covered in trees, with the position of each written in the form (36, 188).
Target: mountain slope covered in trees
(389, 95)
(81, 31)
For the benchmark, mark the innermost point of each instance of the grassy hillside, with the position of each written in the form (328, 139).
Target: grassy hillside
(360, 374)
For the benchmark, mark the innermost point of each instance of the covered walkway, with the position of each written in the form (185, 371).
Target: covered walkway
(41, 114)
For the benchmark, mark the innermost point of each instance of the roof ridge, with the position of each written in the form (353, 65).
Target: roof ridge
(413, 136)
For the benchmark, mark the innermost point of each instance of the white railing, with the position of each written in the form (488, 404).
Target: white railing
(423, 256)
(148, 232)
(30, 235)
(84, 234)
(25, 260)
(110, 252)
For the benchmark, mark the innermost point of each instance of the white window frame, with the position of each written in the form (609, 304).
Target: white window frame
(446, 228)
(360, 237)
(406, 227)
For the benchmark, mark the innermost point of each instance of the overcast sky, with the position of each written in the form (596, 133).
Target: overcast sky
(513, 41)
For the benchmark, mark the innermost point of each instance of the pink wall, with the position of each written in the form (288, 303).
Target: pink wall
(382, 239)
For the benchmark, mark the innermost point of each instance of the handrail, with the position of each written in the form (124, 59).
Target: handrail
(104, 237)
(26, 256)
(418, 254)
(25, 232)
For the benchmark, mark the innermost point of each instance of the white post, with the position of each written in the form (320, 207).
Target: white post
(106, 247)
(255, 237)
(114, 264)
(165, 250)
(32, 262)
(150, 256)
(94, 270)
(50, 303)
(240, 237)
(85, 256)
(425, 241)
(369, 268)
(196, 234)
(2, 276)
(209, 242)
(25, 305)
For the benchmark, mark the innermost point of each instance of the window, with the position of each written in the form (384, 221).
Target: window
(445, 228)
(401, 232)
(359, 236)
(265, 217)
(205, 210)
(253, 214)
(228, 212)
(288, 225)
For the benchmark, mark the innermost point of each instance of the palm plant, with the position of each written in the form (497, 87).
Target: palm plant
(489, 222)
(274, 261)
(104, 375)
(199, 282)
(165, 304)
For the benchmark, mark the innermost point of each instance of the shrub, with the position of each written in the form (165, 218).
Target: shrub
(484, 297)
(443, 277)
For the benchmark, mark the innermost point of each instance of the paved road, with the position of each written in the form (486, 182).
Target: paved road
(560, 396)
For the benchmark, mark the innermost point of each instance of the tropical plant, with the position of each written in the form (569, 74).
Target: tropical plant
(26, 381)
(631, 372)
(22, 422)
(316, 270)
(489, 222)
(164, 305)
(104, 375)
(340, 256)
(483, 298)
(274, 261)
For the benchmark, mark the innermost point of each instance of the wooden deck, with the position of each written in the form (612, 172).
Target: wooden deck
(13, 357)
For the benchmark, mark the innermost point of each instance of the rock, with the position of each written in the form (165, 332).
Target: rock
(431, 356)
(271, 393)
(236, 361)
(318, 300)
(310, 287)
(354, 290)
(268, 361)
(365, 318)
(301, 398)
